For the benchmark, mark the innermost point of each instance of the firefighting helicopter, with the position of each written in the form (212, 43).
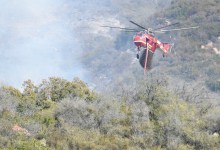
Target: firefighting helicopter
(147, 43)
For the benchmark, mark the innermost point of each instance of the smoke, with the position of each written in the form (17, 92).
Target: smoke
(44, 38)
(37, 41)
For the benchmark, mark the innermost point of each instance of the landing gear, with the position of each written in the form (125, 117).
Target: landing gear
(138, 51)
(137, 56)
(164, 55)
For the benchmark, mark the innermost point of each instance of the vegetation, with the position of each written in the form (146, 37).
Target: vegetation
(145, 117)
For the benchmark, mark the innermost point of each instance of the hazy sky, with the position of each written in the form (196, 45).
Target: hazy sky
(44, 38)
(37, 41)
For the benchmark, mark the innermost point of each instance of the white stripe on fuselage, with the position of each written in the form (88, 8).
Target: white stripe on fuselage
(140, 42)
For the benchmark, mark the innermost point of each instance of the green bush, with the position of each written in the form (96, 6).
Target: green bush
(56, 89)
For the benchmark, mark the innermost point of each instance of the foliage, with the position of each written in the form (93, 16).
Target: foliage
(29, 92)
(145, 117)
(8, 101)
(12, 91)
(56, 89)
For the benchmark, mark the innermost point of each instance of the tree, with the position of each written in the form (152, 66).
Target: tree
(30, 90)
(12, 91)
(56, 89)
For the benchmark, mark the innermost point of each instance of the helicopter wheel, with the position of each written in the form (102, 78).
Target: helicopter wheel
(137, 56)
(142, 58)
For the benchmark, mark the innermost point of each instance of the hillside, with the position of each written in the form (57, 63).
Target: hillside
(61, 114)
(194, 59)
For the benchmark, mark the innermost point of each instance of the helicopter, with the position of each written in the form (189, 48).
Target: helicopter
(147, 43)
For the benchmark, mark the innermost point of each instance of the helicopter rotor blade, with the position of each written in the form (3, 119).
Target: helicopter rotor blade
(129, 29)
(167, 26)
(158, 31)
(178, 29)
(138, 25)
(126, 30)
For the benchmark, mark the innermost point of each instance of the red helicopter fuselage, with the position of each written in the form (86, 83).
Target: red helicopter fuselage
(145, 40)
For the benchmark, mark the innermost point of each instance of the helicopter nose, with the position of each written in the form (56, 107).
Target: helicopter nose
(137, 41)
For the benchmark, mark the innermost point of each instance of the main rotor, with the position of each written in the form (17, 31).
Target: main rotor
(151, 30)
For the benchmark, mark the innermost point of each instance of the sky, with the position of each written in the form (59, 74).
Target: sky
(47, 38)
(37, 41)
